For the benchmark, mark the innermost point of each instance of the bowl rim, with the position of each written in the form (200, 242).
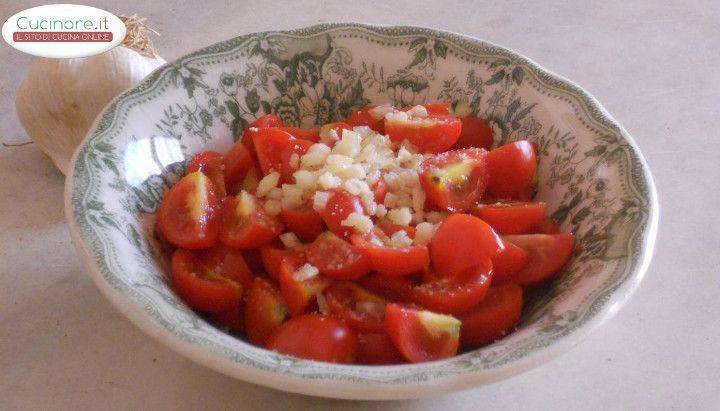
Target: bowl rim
(367, 390)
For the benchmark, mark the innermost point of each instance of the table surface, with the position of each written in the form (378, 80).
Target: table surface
(654, 65)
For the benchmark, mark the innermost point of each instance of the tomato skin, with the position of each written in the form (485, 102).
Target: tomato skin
(309, 134)
(462, 241)
(273, 257)
(458, 294)
(508, 263)
(214, 294)
(547, 226)
(493, 317)
(211, 164)
(316, 337)
(336, 258)
(305, 222)
(419, 340)
(254, 260)
(188, 216)
(228, 263)
(377, 349)
(512, 170)
(389, 228)
(244, 232)
(397, 289)
(265, 311)
(275, 149)
(364, 118)
(476, 132)
(339, 206)
(547, 254)
(391, 261)
(269, 120)
(434, 134)
(512, 217)
(356, 306)
(299, 295)
(455, 180)
(233, 320)
(236, 165)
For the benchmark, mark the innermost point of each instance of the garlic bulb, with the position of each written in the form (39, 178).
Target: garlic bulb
(59, 99)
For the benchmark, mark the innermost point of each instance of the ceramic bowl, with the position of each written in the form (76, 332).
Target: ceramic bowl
(591, 174)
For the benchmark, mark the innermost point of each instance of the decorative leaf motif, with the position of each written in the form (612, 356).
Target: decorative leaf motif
(440, 49)
(252, 99)
(420, 56)
(496, 77)
(517, 75)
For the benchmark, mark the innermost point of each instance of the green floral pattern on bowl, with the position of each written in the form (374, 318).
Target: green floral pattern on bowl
(591, 175)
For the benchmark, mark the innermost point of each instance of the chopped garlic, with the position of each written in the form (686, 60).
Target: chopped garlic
(424, 232)
(329, 180)
(246, 204)
(267, 183)
(400, 216)
(275, 193)
(306, 272)
(323, 306)
(360, 222)
(290, 240)
(272, 207)
(381, 211)
(400, 239)
(320, 199)
(418, 111)
(379, 112)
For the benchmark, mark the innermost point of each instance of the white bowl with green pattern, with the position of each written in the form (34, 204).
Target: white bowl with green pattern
(591, 174)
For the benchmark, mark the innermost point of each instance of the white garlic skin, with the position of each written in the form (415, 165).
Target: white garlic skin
(59, 99)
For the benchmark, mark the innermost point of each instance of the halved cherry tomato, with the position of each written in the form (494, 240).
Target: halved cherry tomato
(333, 131)
(245, 226)
(268, 120)
(272, 258)
(455, 180)
(433, 134)
(201, 287)
(254, 261)
(211, 164)
(303, 221)
(476, 132)
(547, 226)
(390, 228)
(512, 217)
(380, 190)
(457, 294)
(309, 134)
(356, 306)
(493, 318)
(233, 320)
(227, 262)
(265, 310)
(397, 289)
(422, 335)
(547, 254)
(299, 294)
(462, 241)
(377, 349)
(508, 263)
(237, 163)
(433, 108)
(316, 337)
(251, 180)
(337, 258)
(364, 118)
(512, 170)
(388, 260)
(278, 150)
(339, 206)
(189, 214)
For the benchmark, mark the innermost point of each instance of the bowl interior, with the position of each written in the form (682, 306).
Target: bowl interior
(590, 174)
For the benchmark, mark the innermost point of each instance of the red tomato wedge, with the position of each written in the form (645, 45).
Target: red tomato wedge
(316, 337)
(339, 206)
(455, 180)
(233, 320)
(493, 318)
(377, 349)
(476, 132)
(277, 150)
(422, 335)
(237, 164)
(433, 108)
(337, 258)
(300, 294)
(512, 217)
(389, 228)
(356, 306)
(380, 190)
(547, 226)
(272, 258)
(265, 310)
(457, 294)
(246, 225)
(229, 263)
(547, 254)
(269, 120)
(211, 164)
(309, 134)
(305, 222)
(512, 170)
(508, 263)
(189, 214)
(433, 134)
(397, 289)
(201, 287)
(462, 241)
(250, 181)
(253, 260)
(364, 118)
(388, 260)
